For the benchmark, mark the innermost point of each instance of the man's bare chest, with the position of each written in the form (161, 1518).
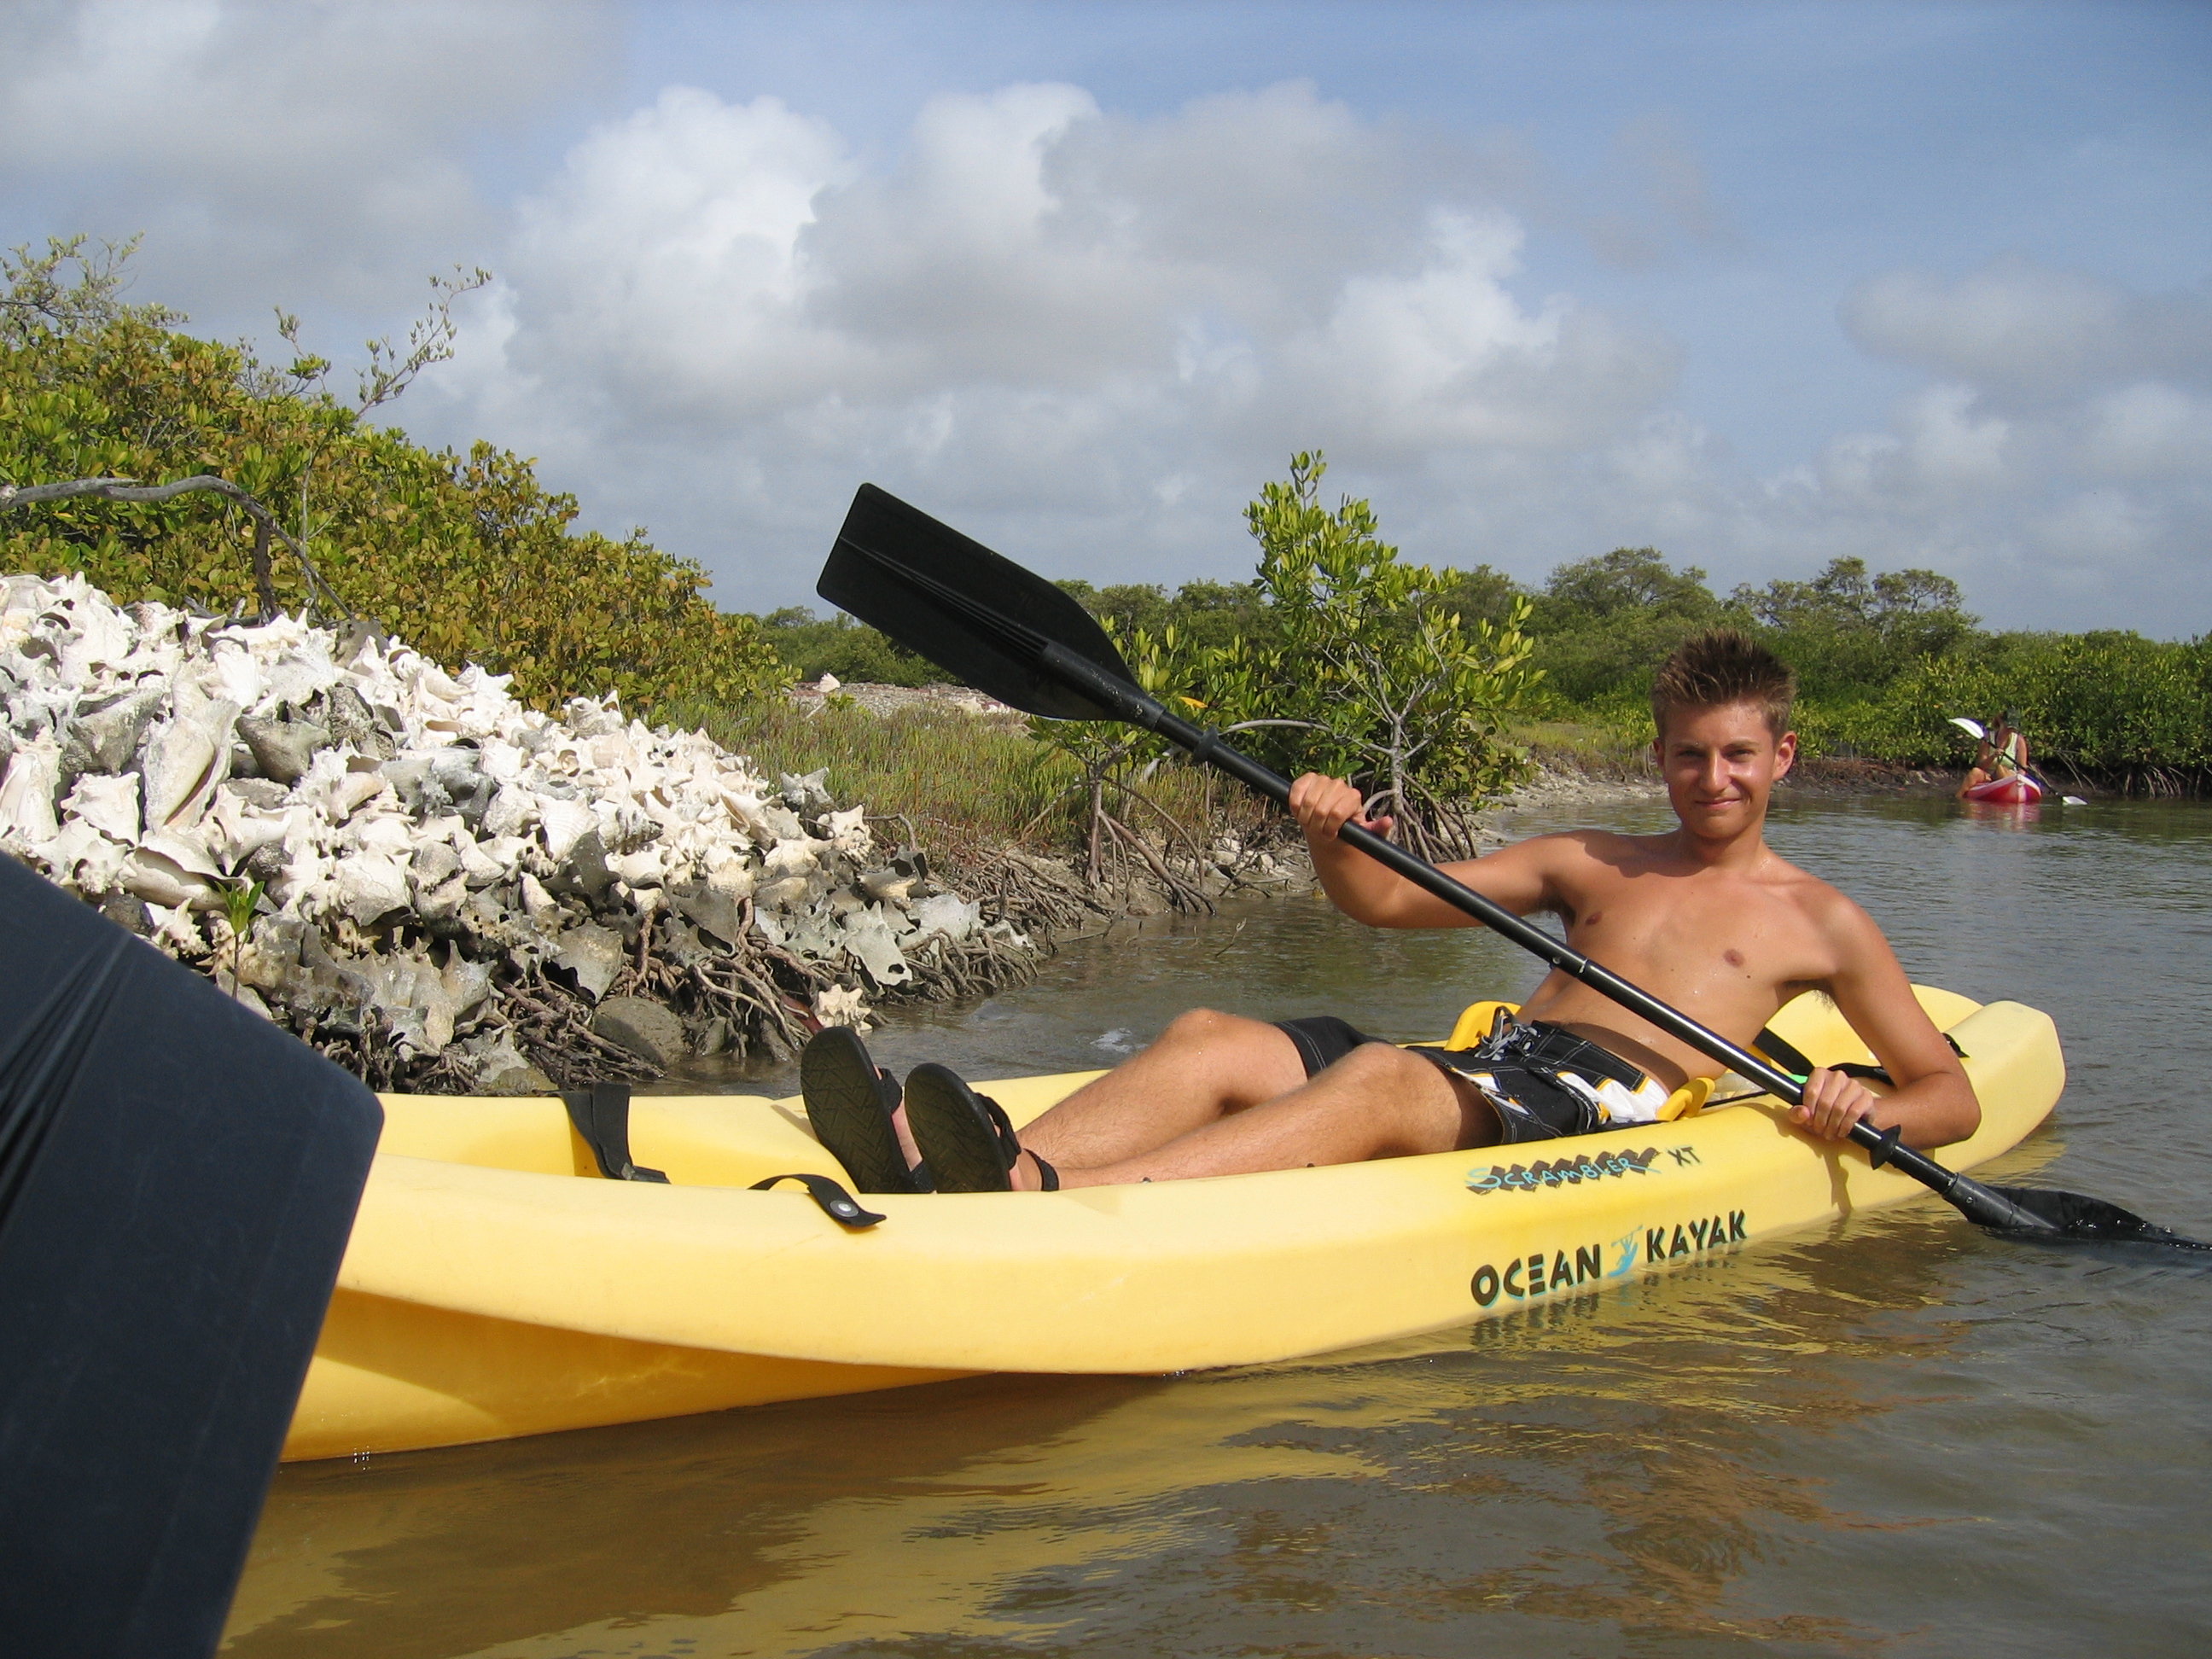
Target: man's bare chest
(1678, 928)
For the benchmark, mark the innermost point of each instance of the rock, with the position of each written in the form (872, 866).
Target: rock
(867, 936)
(283, 749)
(103, 738)
(593, 954)
(947, 914)
(646, 1029)
(524, 1079)
(352, 721)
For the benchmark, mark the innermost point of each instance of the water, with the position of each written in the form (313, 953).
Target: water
(1898, 1437)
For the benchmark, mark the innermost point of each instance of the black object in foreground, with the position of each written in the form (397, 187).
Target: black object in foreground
(1010, 633)
(178, 1179)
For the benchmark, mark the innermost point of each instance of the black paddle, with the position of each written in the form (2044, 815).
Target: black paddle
(997, 627)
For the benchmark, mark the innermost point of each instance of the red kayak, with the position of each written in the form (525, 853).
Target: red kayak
(2018, 790)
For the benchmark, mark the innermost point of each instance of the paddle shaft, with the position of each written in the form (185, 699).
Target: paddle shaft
(1130, 703)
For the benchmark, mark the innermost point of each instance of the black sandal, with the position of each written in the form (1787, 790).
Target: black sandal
(970, 1145)
(850, 1104)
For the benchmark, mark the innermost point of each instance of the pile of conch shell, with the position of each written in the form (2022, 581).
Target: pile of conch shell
(423, 839)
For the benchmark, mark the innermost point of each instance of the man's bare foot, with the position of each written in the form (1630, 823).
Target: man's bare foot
(912, 1153)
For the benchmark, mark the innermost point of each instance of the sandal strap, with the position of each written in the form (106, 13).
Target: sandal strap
(1010, 1145)
(1002, 1126)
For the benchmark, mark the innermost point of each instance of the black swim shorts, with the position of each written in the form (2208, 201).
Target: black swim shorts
(1517, 1067)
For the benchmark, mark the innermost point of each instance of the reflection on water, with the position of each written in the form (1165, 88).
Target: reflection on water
(1899, 1436)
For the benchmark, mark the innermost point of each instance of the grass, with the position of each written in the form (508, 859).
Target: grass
(1597, 747)
(960, 781)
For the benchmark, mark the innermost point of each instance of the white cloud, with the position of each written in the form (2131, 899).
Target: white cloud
(1041, 315)
(1087, 339)
(2149, 430)
(1086, 336)
(2025, 330)
(274, 151)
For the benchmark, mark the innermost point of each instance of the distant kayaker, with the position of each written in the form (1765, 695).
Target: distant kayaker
(2003, 753)
(1705, 916)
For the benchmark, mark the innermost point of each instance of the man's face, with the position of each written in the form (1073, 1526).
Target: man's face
(1721, 764)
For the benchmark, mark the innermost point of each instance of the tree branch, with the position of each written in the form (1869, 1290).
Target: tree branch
(130, 490)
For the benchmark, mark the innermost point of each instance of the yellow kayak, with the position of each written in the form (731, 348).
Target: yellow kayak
(495, 1285)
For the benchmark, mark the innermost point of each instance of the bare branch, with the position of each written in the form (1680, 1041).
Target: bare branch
(130, 490)
(390, 370)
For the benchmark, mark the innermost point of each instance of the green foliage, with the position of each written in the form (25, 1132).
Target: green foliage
(810, 648)
(1603, 625)
(1370, 674)
(1206, 616)
(2109, 704)
(465, 557)
(241, 898)
(1848, 634)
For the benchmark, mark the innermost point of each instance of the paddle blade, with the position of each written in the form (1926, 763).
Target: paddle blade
(1972, 728)
(2078, 1218)
(981, 619)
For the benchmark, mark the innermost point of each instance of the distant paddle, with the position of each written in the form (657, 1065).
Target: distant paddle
(1010, 633)
(1973, 729)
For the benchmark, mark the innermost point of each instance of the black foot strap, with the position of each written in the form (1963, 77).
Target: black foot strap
(836, 1203)
(601, 1115)
(1011, 1147)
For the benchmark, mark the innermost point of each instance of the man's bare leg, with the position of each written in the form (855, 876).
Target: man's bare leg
(1376, 1102)
(1206, 1066)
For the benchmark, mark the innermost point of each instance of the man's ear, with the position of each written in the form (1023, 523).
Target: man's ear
(1785, 754)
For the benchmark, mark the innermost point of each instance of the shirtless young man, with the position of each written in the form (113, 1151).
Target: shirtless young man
(1705, 917)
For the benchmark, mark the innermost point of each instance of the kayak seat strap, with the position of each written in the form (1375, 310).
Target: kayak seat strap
(1782, 1052)
(601, 1115)
(835, 1202)
(1791, 1058)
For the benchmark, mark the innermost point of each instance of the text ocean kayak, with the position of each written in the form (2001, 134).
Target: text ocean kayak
(495, 1285)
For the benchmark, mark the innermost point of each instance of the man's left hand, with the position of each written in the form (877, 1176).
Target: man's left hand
(1832, 1103)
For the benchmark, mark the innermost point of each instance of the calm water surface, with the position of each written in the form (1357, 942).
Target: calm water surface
(1895, 1436)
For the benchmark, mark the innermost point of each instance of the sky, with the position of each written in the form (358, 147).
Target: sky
(1759, 285)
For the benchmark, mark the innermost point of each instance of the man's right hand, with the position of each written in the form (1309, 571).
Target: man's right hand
(1324, 806)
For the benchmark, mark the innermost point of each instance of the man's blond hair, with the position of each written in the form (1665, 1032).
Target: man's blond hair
(1720, 667)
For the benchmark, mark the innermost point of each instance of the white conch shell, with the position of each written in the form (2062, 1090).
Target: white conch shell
(107, 804)
(470, 815)
(26, 791)
(796, 857)
(563, 823)
(187, 756)
(370, 885)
